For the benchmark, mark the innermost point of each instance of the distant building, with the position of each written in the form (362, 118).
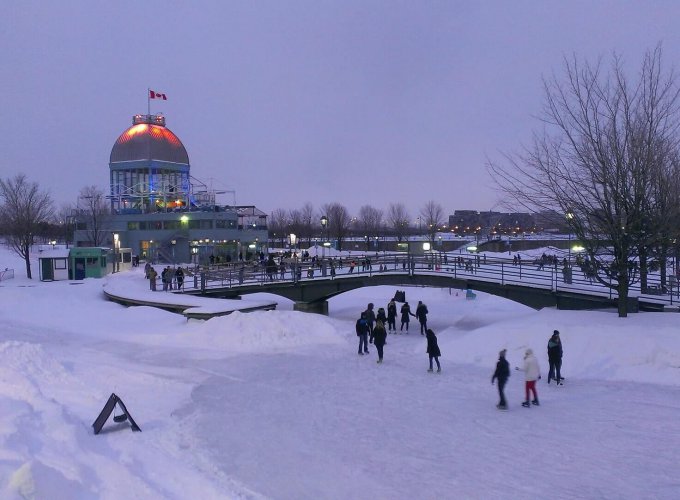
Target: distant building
(164, 214)
(490, 223)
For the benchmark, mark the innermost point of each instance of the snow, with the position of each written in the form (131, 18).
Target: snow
(277, 404)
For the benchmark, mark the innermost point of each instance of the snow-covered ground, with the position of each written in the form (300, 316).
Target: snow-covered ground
(279, 405)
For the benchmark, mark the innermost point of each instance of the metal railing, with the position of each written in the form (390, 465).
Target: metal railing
(554, 277)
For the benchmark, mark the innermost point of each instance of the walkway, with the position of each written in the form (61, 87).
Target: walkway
(130, 288)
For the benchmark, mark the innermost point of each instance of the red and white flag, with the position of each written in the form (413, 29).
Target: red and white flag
(157, 95)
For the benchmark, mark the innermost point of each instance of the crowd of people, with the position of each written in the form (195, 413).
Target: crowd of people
(171, 278)
(370, 328)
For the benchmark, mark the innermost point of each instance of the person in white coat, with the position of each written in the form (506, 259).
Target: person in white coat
(532, 372)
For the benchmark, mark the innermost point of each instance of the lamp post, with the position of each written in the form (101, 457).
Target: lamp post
(173, 243)
(570, 217)
(324, 223)
(116, 246)
(292, 240)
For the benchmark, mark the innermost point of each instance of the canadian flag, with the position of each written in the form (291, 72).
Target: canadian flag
(157, 95)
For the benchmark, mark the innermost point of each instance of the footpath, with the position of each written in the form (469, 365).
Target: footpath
(131, 288)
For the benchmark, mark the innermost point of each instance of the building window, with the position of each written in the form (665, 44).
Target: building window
(225, 224)
(60, 263)
(132, 226)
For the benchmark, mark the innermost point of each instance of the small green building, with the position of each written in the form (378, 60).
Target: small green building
(88, 262)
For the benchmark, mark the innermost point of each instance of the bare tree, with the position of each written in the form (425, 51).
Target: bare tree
(398, 219)
(307, 228)
(338, 221)
(278, 225)
(65, 221)
(433, 217)
(94, 213)
(660, 227)
(370, 219)
(24, 209)
(595, 160)
(295, 222)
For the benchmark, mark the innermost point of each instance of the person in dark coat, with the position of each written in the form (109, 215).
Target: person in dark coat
(433, 350)
(392, 316)
(555, 358)
(421, 314)
(381, 316)
(379, 338)
(501, 374)
(405, 313)
(370, 319)
(362, 333)
(179, 276)
(152, 278)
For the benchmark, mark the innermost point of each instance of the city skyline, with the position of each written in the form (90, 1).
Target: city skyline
(294, 102)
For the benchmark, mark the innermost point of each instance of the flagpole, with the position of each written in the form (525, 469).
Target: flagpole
(148, 102)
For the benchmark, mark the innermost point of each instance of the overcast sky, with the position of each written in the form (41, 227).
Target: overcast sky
(287, 102)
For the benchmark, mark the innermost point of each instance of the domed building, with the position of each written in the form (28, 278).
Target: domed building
(149, 168)
(162, 213)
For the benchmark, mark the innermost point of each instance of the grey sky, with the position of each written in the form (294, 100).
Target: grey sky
(288, 102)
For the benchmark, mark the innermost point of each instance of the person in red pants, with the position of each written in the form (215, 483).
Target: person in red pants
(532, 373)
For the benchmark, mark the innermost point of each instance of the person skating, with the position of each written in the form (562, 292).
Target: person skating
(421, 314)
(370, 319)
(379, 338)
(433, 350)
(381, 316)
(405, 313)
(501, 374)
(555, 358)
(532, 372)
(392, 316)
(362, 333)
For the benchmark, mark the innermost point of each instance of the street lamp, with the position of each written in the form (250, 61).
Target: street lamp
(570, 217)
(116, 247)
(292, 240)
(324, 223)
(173, 242)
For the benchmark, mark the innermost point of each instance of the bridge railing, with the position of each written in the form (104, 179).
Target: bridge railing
(552, 276)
